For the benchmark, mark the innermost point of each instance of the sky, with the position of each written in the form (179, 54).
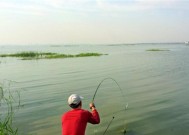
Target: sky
(26, 22)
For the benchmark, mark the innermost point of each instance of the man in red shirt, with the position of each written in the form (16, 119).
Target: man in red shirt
(74, 122)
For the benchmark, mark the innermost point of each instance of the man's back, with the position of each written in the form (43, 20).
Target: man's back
(74, 122)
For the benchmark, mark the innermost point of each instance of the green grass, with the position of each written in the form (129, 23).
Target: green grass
(47, 55)
(157, 50)
(7, 115)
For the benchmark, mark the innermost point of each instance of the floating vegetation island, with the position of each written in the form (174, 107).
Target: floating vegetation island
(47, 55)
(157, 50)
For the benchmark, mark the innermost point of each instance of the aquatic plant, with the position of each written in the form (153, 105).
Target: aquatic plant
(157, 50)
(88, 54)
(55, 56)
(47, 55)
(6, 116)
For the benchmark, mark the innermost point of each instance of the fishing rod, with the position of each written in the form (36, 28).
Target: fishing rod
(109, 78)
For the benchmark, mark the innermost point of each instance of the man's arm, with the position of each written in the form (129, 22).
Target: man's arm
(94, 116)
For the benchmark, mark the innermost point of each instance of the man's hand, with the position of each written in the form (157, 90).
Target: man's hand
(92, 106)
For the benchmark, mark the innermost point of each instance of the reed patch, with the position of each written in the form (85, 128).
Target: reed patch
(157, 50)
(9, 104)
(48, 55)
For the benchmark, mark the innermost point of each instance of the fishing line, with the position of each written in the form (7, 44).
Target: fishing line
(126, 106)
(101, 84)
(108, 125)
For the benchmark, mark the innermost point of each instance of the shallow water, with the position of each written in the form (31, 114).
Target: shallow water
(155, 84)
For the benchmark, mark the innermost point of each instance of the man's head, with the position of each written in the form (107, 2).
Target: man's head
(74, 101)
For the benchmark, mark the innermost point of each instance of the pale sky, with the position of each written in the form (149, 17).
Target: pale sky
(93, 21)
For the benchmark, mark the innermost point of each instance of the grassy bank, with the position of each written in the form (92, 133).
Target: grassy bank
(157, 50)
(47, 55)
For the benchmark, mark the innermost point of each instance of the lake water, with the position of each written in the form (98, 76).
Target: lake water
(155, 84)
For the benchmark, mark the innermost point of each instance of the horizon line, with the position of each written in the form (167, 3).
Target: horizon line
(62, 44)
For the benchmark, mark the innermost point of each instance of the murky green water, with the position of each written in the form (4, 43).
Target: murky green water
(155, 84)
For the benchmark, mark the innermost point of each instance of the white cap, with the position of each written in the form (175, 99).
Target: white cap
(74, 99)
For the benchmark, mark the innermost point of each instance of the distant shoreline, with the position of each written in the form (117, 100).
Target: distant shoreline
(108, 44)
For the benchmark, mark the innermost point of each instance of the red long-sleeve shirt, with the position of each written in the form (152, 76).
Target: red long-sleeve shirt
(74, 122)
